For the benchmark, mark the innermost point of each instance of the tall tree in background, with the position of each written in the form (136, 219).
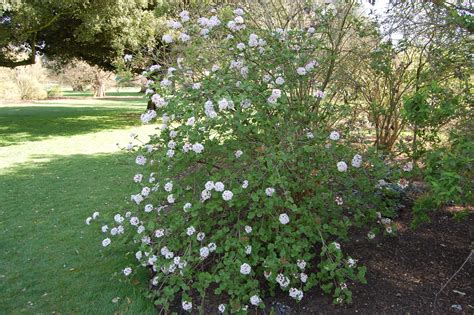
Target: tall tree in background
(98, 32)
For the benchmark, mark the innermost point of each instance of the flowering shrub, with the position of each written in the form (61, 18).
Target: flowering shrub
(246, 189)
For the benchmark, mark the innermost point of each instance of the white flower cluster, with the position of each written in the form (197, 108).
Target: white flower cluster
(282, 280)
(296, 294)
(94, 216)
(357, 161)
(148, 116)
(158, 101)
(273, 99)
(245, 269)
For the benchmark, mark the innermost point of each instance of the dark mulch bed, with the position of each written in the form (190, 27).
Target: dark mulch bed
(406, 271)
(403, 273)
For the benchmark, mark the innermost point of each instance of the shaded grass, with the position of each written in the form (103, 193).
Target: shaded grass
(51, 260)
(36, 121)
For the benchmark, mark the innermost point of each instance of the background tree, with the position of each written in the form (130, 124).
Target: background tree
(98, 32)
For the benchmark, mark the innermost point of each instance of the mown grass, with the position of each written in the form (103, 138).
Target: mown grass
(51, 261)
(65, 117)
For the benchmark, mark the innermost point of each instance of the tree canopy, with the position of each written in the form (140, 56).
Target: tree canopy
(98, 32)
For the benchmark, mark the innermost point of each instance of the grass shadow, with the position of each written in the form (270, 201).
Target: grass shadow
(51, 260)
(36, 122)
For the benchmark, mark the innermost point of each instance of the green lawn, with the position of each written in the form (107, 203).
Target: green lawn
(58, 164)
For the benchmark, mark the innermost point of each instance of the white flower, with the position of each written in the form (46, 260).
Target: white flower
(227, 195)
(118, 218)
(245, 184)
(127, 57)
(159, 233)
(219, 186)
(351, 262)
(145, 191)
(357, 161)
(184, 15)
(280, 81)
(139, 255)
(138, 178)
(240, 46)
(239, 11)
(167, 38)
(140, 160)
(184, 37)
(269, 191)
(187, 206)
(336, 245)
(138, 198)
(140, 229)
(239, 20)
(170, 198)
(190, 231)
(198, 148)
(341, 166)
(106, 242)
(114, 231)
(215, 68)
(205, 195)
(319, 94)
(309, 135)
(296, 294)
(204, 252)
(301, 71)
(310, 65)
(88, 220)
(187, 305)
(134, 221)
(221, 308)
(223, 104)
(311, 30)
(104, 228)
(209, 185)
(174, 24)
(388, 229)
(171, 144)
(166, 82)
(248, 249)
(191, 121)
(266, 78)
(238, 153)
(248, 229)
(245, 269)
(170, 153)
(408, 167)
(282, 280)
(255, 300)
(334, 135)
(149, 208)
(370, 235)
(168, 186)
(284, 218)
(212, 247)
(272, 99)
(276, 93)
(127, 271)
(301, 264)
(303, 277)
(200, 236)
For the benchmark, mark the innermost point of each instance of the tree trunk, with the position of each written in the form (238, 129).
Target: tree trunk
(99, 86)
